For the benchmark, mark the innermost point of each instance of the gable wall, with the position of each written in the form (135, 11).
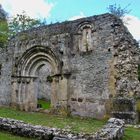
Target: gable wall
(85, 49)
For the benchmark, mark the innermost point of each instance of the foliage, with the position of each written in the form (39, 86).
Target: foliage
(138, 108)
(14, 25)
(118, 10)
(3, 28)
(22, 22)
(3, 33)
(75, 124)
(49, 79)
(138, 105)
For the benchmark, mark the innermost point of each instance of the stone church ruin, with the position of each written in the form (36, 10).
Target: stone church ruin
(88, 66)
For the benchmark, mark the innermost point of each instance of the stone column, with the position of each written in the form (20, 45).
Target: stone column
(23, 93)
(32, 99)
(19, 94)
(63, 91)
(13, 95)
(26, 106)
(54, 91)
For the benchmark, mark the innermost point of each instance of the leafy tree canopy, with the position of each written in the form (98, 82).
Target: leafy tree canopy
(3, 27)
(11, 26)
(22, 22)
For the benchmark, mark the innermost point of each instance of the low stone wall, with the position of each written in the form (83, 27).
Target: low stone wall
(125, 108)
(113, 130)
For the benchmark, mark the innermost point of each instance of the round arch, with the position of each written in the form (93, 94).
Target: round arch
(26, 90)
(35, 57)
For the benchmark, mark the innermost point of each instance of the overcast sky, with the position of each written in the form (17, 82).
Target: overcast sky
(61, 10)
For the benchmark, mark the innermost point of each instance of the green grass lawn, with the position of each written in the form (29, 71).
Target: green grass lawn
(131, 134)
(8, 136)
(75, 124)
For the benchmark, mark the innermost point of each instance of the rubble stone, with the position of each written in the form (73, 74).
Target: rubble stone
(113, 130)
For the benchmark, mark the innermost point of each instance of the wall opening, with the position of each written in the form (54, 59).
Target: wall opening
(43, 85)
(33, 70)
(85, 38)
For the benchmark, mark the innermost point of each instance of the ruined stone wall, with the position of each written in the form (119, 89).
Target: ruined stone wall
(5, 76)
(89, 58)
(126, 60)
(113, 130)
(91, 73)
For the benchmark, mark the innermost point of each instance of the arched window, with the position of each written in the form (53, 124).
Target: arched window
(85, 39)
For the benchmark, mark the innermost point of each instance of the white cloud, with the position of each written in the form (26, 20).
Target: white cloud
(34, 8)
(133, 24)
(81, 15)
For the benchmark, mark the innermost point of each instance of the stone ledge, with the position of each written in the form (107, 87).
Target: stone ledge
(113, 130)
(128, 117)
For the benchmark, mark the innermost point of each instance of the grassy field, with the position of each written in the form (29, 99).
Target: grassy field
(132, 134)
(7, 136)
(75, 124)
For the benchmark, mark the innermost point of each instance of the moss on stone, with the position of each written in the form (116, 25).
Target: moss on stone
(49, 79)
(64, 111)
(24, 36)
(138, 105)
(109, 107)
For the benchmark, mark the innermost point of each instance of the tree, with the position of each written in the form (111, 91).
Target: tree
(3, 27)
(22, 22)
(118, 11)
(3, 14)
(14, 25)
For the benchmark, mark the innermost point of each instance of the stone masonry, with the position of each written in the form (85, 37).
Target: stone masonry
(81, 66)
(113, 130)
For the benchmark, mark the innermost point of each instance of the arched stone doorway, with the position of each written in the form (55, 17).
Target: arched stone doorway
(43, 85)
(30, 79)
